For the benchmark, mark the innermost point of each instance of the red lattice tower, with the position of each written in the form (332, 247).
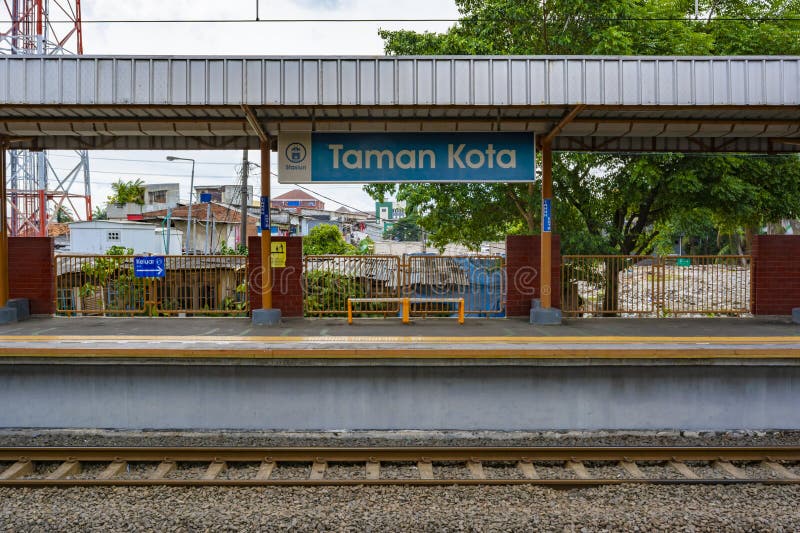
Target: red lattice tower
(37, 192)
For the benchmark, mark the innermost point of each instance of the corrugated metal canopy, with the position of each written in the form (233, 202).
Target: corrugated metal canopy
(742, 104)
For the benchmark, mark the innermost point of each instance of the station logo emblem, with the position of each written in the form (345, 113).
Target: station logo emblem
(296, 152)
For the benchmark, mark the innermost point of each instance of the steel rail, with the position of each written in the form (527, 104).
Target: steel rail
(22, 472)
(402, 454)
(554, 483)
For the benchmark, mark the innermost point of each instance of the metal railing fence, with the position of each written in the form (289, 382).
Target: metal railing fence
(329, 280)
(479, 279)
(608, 285)
(192, 285)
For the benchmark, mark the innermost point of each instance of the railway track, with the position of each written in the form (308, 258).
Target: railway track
(564, 467)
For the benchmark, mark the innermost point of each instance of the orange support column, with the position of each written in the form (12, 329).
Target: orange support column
(545, 314)
(547, 221)
(266, 233)
(266, 316)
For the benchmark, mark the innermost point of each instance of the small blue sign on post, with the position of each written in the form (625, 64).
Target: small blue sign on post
(547, 217)
(149, 267)
(265, 212)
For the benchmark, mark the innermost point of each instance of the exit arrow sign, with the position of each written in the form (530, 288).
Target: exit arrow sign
(149, 267)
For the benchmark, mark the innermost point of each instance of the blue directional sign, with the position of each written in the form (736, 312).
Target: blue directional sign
(149, 267)
(547, 214)
(265, 212)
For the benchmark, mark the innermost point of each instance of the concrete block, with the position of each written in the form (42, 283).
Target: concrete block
(23, 307)
(8, 315)
(546, 317)
(266, 317)
(796, 315)
(536, 303)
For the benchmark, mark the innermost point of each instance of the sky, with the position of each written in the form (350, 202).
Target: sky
(257, 38)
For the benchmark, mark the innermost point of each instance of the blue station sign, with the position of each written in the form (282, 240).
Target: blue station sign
(149, 267)
(265, 222)
(547, 215)
(306, 157)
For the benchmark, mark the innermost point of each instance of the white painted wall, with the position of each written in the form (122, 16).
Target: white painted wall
(97, 237)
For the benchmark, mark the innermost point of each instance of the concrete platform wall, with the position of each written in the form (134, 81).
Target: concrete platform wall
(381, 397)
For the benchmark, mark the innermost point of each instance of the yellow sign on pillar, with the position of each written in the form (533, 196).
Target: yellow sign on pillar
(278, 252)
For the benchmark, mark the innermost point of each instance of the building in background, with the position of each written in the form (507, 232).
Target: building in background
(224, 194)
(387, 213)
(97, 237)
(161, 196)
(213, 225)
(297, 200)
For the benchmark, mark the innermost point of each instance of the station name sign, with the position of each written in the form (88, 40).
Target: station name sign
(306, 157)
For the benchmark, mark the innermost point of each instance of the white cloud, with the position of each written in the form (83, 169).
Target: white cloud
(254, 38)
(322, 4)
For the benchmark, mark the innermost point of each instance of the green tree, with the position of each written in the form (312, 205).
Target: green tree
(405, 229)
(610, 203)
(127, 192)
(100, 213)
(326, 239)
(64, 215)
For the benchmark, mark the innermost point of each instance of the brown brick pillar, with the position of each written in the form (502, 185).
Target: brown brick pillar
(522, 271)
(287, 290)
(32, 272)
(775, 283)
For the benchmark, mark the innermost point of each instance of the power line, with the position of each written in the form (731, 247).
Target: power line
(419, 20)
(153, 161)
(137, 173)
(329, 198)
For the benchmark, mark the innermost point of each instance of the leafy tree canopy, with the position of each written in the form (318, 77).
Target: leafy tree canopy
(64, 215)
(326, 239)
(127, 192)
(100, 213)
(405, 229)
(612, 202)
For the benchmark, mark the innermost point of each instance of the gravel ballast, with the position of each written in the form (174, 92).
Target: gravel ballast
(626, 508)
(400, 508)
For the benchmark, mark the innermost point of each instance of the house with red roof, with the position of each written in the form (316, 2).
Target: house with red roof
(297, 200)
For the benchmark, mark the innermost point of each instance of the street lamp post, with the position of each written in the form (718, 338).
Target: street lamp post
(191, 199)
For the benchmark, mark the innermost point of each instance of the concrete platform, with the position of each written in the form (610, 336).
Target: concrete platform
(387, 342)
(713, 374)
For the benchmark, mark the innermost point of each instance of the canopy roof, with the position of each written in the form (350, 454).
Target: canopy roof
(689, 104)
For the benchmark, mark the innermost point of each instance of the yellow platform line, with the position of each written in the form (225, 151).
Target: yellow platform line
(401, 353)
(460, 340)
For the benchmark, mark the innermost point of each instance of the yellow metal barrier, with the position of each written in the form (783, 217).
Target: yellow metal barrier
(375, 286)
(605, 285)
(193, 285)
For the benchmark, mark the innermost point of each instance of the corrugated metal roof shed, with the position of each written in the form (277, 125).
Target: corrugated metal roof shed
(631, 103)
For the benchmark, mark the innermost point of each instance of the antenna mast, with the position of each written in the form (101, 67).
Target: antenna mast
(37, 192)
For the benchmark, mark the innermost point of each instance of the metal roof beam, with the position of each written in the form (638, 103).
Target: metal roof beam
(548, 137)
(252, 119)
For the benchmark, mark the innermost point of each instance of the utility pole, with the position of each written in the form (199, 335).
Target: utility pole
(245, 170)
